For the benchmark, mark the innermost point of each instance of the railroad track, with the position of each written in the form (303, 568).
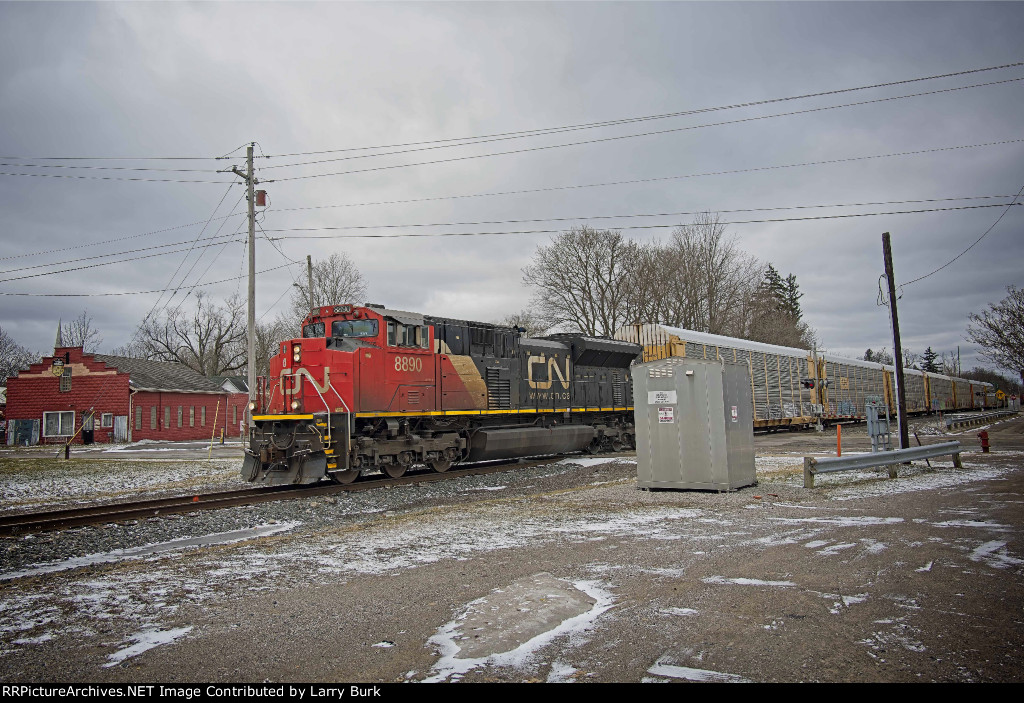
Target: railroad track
(144, 509)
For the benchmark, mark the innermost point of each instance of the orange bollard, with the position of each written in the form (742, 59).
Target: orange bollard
(839, 440)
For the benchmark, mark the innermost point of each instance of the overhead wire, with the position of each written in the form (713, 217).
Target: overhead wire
(137, 292)
(665, 226)
(641, 134)
(655, 179)
(116, 239)
(629, 120)
(973, 244)
(634, 215)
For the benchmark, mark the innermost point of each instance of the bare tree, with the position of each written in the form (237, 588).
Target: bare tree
(582, 280)
(336, 279)
(269, 335)
(211, 339)
(527, 320)
(999, 331)
(700, 279)
(81, 333)
(13, 357)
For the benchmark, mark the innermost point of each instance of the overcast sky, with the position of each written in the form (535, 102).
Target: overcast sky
(202, 80)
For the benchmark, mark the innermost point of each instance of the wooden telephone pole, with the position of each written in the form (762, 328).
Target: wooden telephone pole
(901, 398)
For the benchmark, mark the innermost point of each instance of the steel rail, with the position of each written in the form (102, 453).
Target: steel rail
(137, 510)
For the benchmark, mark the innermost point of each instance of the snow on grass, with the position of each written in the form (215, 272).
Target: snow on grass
(451, 667)
(41, 481)
(684, 612)
(853, 485)
(149, 550)
(144, 641)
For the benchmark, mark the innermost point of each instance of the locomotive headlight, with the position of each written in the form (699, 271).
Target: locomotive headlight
(296, 352)
(295, 405)
(252, 407)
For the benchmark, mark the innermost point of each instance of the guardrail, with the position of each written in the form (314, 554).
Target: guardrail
(956, 421)
(890, 458)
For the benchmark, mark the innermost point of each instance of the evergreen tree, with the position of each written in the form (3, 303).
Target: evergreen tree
(792, 297)
(928, 361)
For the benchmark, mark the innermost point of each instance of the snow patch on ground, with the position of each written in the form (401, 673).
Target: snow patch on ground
(596, 460)
(451, 668)
(149, 550)
(748, 582)
(663, 668)
(144, 641)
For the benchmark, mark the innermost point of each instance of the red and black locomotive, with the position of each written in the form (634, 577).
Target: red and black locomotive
(370, 388)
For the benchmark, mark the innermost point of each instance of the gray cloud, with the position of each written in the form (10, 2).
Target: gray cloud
(170, 79)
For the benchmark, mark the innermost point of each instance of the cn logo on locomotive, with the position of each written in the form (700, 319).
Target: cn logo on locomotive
(553, 371)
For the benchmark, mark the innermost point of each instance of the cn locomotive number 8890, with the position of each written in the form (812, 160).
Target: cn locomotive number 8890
(369, 388)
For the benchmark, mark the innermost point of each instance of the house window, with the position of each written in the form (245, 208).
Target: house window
(152, 417)
(167, 416)
(138, 417)
(107, 420)
(192, 416)
(65, 380)
(180, 415)
(234, 414)
(60, 424)
(202, 415)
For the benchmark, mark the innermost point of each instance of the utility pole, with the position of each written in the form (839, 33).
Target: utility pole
(250, 182)
(901, 400)
(309, 279)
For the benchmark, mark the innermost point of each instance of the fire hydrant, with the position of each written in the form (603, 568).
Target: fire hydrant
(983, 436)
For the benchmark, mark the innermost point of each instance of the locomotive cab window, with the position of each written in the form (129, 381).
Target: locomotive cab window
(315, 329)
(400, 335)
(354, 328)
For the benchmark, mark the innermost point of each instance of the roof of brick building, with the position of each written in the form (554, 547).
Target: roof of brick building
(160, 375)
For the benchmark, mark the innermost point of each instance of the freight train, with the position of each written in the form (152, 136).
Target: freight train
(366, 388)
(794, 387)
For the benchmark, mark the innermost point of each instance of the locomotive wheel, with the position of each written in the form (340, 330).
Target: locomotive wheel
(393, 470)
(441, 465)
(617, 446)
(344, 477)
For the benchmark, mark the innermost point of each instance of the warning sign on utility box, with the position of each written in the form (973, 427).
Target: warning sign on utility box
(661, 397)
(666, 414)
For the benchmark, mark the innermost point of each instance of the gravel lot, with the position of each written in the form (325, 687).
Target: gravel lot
(861, 579)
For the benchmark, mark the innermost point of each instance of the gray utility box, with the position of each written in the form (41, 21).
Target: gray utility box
(694, 424)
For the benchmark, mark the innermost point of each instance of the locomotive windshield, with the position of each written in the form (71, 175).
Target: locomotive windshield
(354, 328)
(315, 329)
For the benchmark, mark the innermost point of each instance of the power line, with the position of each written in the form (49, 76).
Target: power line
(1001, 216)
(555, 231)
(634, 215)
(656, 179)
(112, 168)
(641, 134)
(103, 256)
(136, 292)
(629, 120)
(109, 178)
(116, 239)
(468, 234)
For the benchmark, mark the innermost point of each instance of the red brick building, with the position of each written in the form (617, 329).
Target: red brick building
(102, 398)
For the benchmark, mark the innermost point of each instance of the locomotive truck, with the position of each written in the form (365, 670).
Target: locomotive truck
(367, 388)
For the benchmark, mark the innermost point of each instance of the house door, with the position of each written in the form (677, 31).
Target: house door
(121, 428)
